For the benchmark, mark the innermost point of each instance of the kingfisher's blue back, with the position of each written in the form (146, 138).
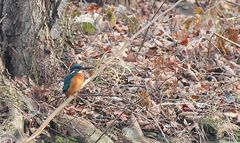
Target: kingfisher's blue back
(73, 81)
(67, 82)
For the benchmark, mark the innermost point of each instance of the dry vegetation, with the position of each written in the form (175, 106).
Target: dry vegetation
(178, 81)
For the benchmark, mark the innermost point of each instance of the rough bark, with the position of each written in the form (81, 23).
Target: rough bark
(19, 33)
(25, 38)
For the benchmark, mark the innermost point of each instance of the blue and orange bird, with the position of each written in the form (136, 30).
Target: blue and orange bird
(74, 80)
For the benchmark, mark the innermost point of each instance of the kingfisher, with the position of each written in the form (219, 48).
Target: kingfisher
(74, 80)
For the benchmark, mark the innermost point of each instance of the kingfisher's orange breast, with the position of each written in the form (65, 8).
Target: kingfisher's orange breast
(76, 84)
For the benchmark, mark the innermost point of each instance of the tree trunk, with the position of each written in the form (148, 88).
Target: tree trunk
(19, 31)
(24, 36)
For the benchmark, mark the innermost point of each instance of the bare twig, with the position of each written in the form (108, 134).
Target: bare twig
(127, 43)
(145, 35)
(234, 3)
(45, 123)
(230, 41)
(124, 109)
(159, 128)
(3, 18)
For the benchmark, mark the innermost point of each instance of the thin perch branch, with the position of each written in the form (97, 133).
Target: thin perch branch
(45, 123)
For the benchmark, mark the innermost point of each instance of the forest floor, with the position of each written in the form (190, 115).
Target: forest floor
(177, 81)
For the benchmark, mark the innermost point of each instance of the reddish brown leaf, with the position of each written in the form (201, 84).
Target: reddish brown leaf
(131, 57)
(151, 52)
(187, 107)
(184, 41)
(70, 110)
(195, 97)
(93, 8)
(232, 34)
(40, 94)
(123, 117)
(146, 99)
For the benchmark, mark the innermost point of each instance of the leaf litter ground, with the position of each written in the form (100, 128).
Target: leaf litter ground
(182, 84)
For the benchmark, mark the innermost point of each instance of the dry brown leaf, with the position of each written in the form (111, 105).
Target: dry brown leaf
(151, 52)
(146, 99)
(131, 57)
(184, 41)
(70, 110)
(91, 8)
(87, 111)
(39, 93)
(120, 28)
(195, 97)
(189, 74)
(232, 34)
(187, 107)
(123, 117)
(155, 109)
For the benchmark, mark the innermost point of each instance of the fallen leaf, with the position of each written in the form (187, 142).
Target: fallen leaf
(232, 34)
(91, 8)
(151, 52)
(146, 99)
(89, 28)
(189, 74)
(70, 110)
(195, 97)
(131, 57)
(187, 107)
(184, 41)
(123, 117)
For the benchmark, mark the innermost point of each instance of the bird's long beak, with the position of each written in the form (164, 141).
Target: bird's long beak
(87, 68)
